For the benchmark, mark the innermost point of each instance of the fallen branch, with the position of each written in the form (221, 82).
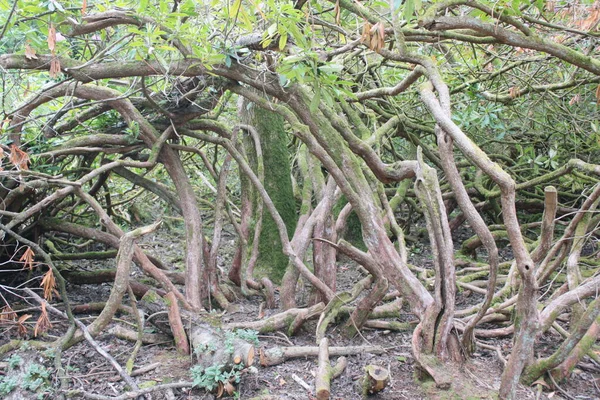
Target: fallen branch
(325, 373)
(302, 383)
(291, 319)
(89, 338)
(390, 325)
(278, 355)
(133, 394)
(147, 338)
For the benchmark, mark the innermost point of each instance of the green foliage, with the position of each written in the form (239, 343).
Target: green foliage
(7, 384)
(25, 345)
(248, 335)
(36, 377)
(203, 348)
(133, 130)
(210, 377)
(50, 353)
(14, 361)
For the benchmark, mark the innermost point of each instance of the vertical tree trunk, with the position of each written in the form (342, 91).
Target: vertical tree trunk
(278, 183)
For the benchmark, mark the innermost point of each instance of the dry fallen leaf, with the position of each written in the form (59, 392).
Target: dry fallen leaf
(30, 52)
(229, 388)
(575, 99)
(365, 37)
(7, 314)
(540, 382)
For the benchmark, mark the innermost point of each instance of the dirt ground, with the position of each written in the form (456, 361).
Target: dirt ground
(478, 378)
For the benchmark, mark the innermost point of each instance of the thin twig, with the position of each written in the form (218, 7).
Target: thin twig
(89, 338)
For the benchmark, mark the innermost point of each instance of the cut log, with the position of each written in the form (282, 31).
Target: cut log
(278, 355)
(325, 373)
(215, 348)
(322, 381)
(375, 379)
(212, 346)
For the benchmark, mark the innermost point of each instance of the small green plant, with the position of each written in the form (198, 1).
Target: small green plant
(210, 377)
(50, 353)
(7, 384)
(35, 377)
(14, 361)
(203, 348)
(72, 368)
(248, 335)
(25, 346)
(229, 338)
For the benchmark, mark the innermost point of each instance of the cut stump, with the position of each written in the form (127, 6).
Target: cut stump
(375, 379)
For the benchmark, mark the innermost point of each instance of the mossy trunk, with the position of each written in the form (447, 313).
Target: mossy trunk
(278, 183)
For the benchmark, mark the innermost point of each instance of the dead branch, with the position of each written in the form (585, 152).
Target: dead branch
(89, 338)
(291, 319)
(278, 355)
(325, 373)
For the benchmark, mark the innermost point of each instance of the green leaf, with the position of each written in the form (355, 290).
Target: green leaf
(411, 7)
(331, 68)
(163, 7)
(58, 6)
(142, 6)
(235, 8)
(282, 41)
(272, 29)
(539, 4)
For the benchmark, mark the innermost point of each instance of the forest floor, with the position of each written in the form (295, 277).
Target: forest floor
(478, 378)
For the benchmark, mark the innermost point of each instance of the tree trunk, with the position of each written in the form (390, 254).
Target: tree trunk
(271, 261)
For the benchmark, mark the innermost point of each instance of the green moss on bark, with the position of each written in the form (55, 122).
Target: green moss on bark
(278, 183)
(353, 232)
